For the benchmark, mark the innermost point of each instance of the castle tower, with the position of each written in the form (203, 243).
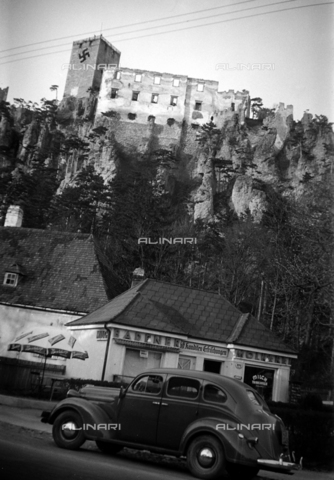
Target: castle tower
(3, 94)
(89, 58)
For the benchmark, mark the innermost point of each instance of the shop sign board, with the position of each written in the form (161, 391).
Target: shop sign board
(204, 348)
(152, 339)
(262, 357)
(260, 380)
(101, 335)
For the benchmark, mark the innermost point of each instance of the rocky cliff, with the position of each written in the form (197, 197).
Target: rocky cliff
(240, 167)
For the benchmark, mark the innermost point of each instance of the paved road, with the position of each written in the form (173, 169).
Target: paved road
(31, 455)
(28, 454)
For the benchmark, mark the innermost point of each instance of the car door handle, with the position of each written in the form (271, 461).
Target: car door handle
(156, 403)
(164, 404)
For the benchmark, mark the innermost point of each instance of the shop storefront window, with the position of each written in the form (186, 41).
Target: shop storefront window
(136, 361)
(261, 379)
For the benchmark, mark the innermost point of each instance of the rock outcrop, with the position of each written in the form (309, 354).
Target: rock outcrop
(204, 193)
(249, 159)
(249, 196)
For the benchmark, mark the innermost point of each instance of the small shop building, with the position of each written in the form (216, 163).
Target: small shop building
(47, 278)
(158, 324)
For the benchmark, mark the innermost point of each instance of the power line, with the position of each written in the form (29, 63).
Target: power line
(34, 56)
(126, 26)
(230, 20)
(152, 28)
(187, 28)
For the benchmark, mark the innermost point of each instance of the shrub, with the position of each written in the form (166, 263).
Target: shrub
(311, 401)
(311, 430)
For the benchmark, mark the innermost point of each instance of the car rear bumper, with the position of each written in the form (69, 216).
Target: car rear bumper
(278, 465)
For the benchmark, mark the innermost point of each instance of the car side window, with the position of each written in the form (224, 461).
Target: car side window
(149, 384)
(214, 394)
(183, 387)
(253, 398)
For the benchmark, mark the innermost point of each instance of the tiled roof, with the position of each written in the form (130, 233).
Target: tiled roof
(254, 334)
(65, 271)
(181, 310)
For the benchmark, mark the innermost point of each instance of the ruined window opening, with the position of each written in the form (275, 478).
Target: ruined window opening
(173, 100)
(114, 93)
(118, 75)
(200, 87)
(157, 80)
(198, 106)
(135, 96)
(170, 121)
(176, 82)
(132, 116)
(232, 107)
(138, 77)
(11, 279)
(155, 98)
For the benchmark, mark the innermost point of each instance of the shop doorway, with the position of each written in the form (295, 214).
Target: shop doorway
(212, 366)
(261, 379)
(136, 361)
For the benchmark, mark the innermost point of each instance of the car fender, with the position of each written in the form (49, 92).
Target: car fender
(98, 424)
(236, 448)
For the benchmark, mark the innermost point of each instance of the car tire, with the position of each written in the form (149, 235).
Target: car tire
(107, 447)
(70, 438)
(205, 458)
(237, 472)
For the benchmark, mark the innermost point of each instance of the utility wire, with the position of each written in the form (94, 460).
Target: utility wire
(229, 20)
(151, 28)
(186, 28)
(126, 26)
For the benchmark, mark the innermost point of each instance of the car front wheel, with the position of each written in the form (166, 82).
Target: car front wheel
(67, 430)
(205, 458)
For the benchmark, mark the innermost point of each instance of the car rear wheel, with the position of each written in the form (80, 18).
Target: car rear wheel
(107, 447)
(67, 430)
(205, 458)
(236, 472)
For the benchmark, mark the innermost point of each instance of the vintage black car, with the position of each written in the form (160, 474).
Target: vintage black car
(219, 424)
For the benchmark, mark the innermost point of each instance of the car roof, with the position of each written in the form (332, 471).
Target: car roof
(222, 380)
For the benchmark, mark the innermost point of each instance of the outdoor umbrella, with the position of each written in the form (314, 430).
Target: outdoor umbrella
(48, 342)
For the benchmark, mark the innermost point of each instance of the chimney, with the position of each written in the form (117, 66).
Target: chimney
(137, 276)
(14, 216)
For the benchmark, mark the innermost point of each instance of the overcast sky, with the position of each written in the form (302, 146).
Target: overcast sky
(296, 42)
